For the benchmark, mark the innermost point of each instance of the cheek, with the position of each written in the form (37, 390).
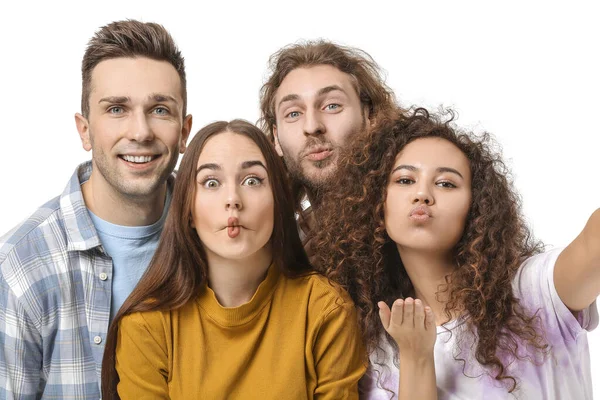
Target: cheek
(266, 212)
(392, 215)
(289, 140)
(166, 131)
(205, 210)
(343, 128)
(457, 220)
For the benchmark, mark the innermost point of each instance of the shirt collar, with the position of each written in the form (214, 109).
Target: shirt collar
(81, 232)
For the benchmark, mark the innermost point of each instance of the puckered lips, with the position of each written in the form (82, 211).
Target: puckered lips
(420, 213)
(233, 227)
(318, 153)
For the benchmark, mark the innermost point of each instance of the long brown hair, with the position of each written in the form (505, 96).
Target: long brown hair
(366, 76)
(358, 253)
(179, 267)
(130, 38)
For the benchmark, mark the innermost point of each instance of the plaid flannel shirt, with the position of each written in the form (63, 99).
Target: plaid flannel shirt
(55, 293)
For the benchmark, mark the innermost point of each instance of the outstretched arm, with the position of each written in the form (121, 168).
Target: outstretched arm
(577, 269)
(413, 328)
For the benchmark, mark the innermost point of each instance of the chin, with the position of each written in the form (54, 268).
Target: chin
(426, 246)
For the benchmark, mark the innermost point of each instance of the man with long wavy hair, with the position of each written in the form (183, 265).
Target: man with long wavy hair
(319, 95)
(68, 268)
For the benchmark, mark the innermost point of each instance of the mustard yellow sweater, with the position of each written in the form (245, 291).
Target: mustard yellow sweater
(295, 339)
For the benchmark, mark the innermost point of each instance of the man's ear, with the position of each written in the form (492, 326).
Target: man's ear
(186, 128)
(276, 140)
(83, 127)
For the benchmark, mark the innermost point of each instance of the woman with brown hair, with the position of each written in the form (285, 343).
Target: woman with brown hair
(230, 306)
(425, 219)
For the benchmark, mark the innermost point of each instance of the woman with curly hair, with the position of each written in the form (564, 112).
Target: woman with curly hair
(425, 219)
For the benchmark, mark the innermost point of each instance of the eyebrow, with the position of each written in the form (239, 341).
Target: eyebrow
(330, 88)
(157, 97)
(217, 167)
(320, 92)
(440, 169)
(114, 99)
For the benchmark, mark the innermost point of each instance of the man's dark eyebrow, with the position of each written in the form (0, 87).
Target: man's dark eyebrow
(211, 166)
(415, 169)
(114, 99)
(249, 164)
(159, 97)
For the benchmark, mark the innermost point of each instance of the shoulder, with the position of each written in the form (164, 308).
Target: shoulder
(323, 295)
(534, 286)
(38, 241)
(535, 270)
(39, 224)
(148, 322)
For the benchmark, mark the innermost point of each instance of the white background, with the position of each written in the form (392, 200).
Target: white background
(526, 71)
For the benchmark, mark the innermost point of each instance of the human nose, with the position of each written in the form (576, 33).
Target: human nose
(139, 129)
(423, 195)
(313, 125)
(234, 200)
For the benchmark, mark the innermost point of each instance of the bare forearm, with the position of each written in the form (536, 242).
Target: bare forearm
(577, 271)
(417, 379)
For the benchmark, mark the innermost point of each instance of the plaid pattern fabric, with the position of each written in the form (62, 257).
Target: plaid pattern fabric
(55, 293)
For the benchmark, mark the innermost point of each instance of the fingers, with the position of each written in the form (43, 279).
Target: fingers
(384, 314)
(409, 312)
(397, 312)
(419, 314)
(429, 318)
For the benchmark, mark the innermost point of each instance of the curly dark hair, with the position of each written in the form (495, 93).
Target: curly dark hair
(358, 253)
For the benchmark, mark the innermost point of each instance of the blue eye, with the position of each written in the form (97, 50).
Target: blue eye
(115, 110)
(161, 111)
(332, 107)
(293, 114)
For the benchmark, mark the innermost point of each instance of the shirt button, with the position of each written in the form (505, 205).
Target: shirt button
(103, 276)
(97, 339)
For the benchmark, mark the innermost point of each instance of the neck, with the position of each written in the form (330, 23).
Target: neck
(427, 271)
(118, 209)
(234, 282)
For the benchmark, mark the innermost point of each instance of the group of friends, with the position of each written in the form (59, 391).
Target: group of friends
(344, 247)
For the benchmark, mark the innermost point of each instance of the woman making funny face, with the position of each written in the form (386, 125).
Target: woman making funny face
(230, 307)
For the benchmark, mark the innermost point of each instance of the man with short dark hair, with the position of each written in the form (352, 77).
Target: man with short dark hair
(66, 270)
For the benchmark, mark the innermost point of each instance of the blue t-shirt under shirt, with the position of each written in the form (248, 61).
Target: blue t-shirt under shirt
(131, 249)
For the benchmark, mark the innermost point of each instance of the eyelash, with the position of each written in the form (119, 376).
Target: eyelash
(337, 106)
(166, 110)
(452, 185)
(112, 108)
(211, 178)
(260, 180)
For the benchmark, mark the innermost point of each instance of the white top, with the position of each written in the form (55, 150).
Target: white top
(563, 374)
